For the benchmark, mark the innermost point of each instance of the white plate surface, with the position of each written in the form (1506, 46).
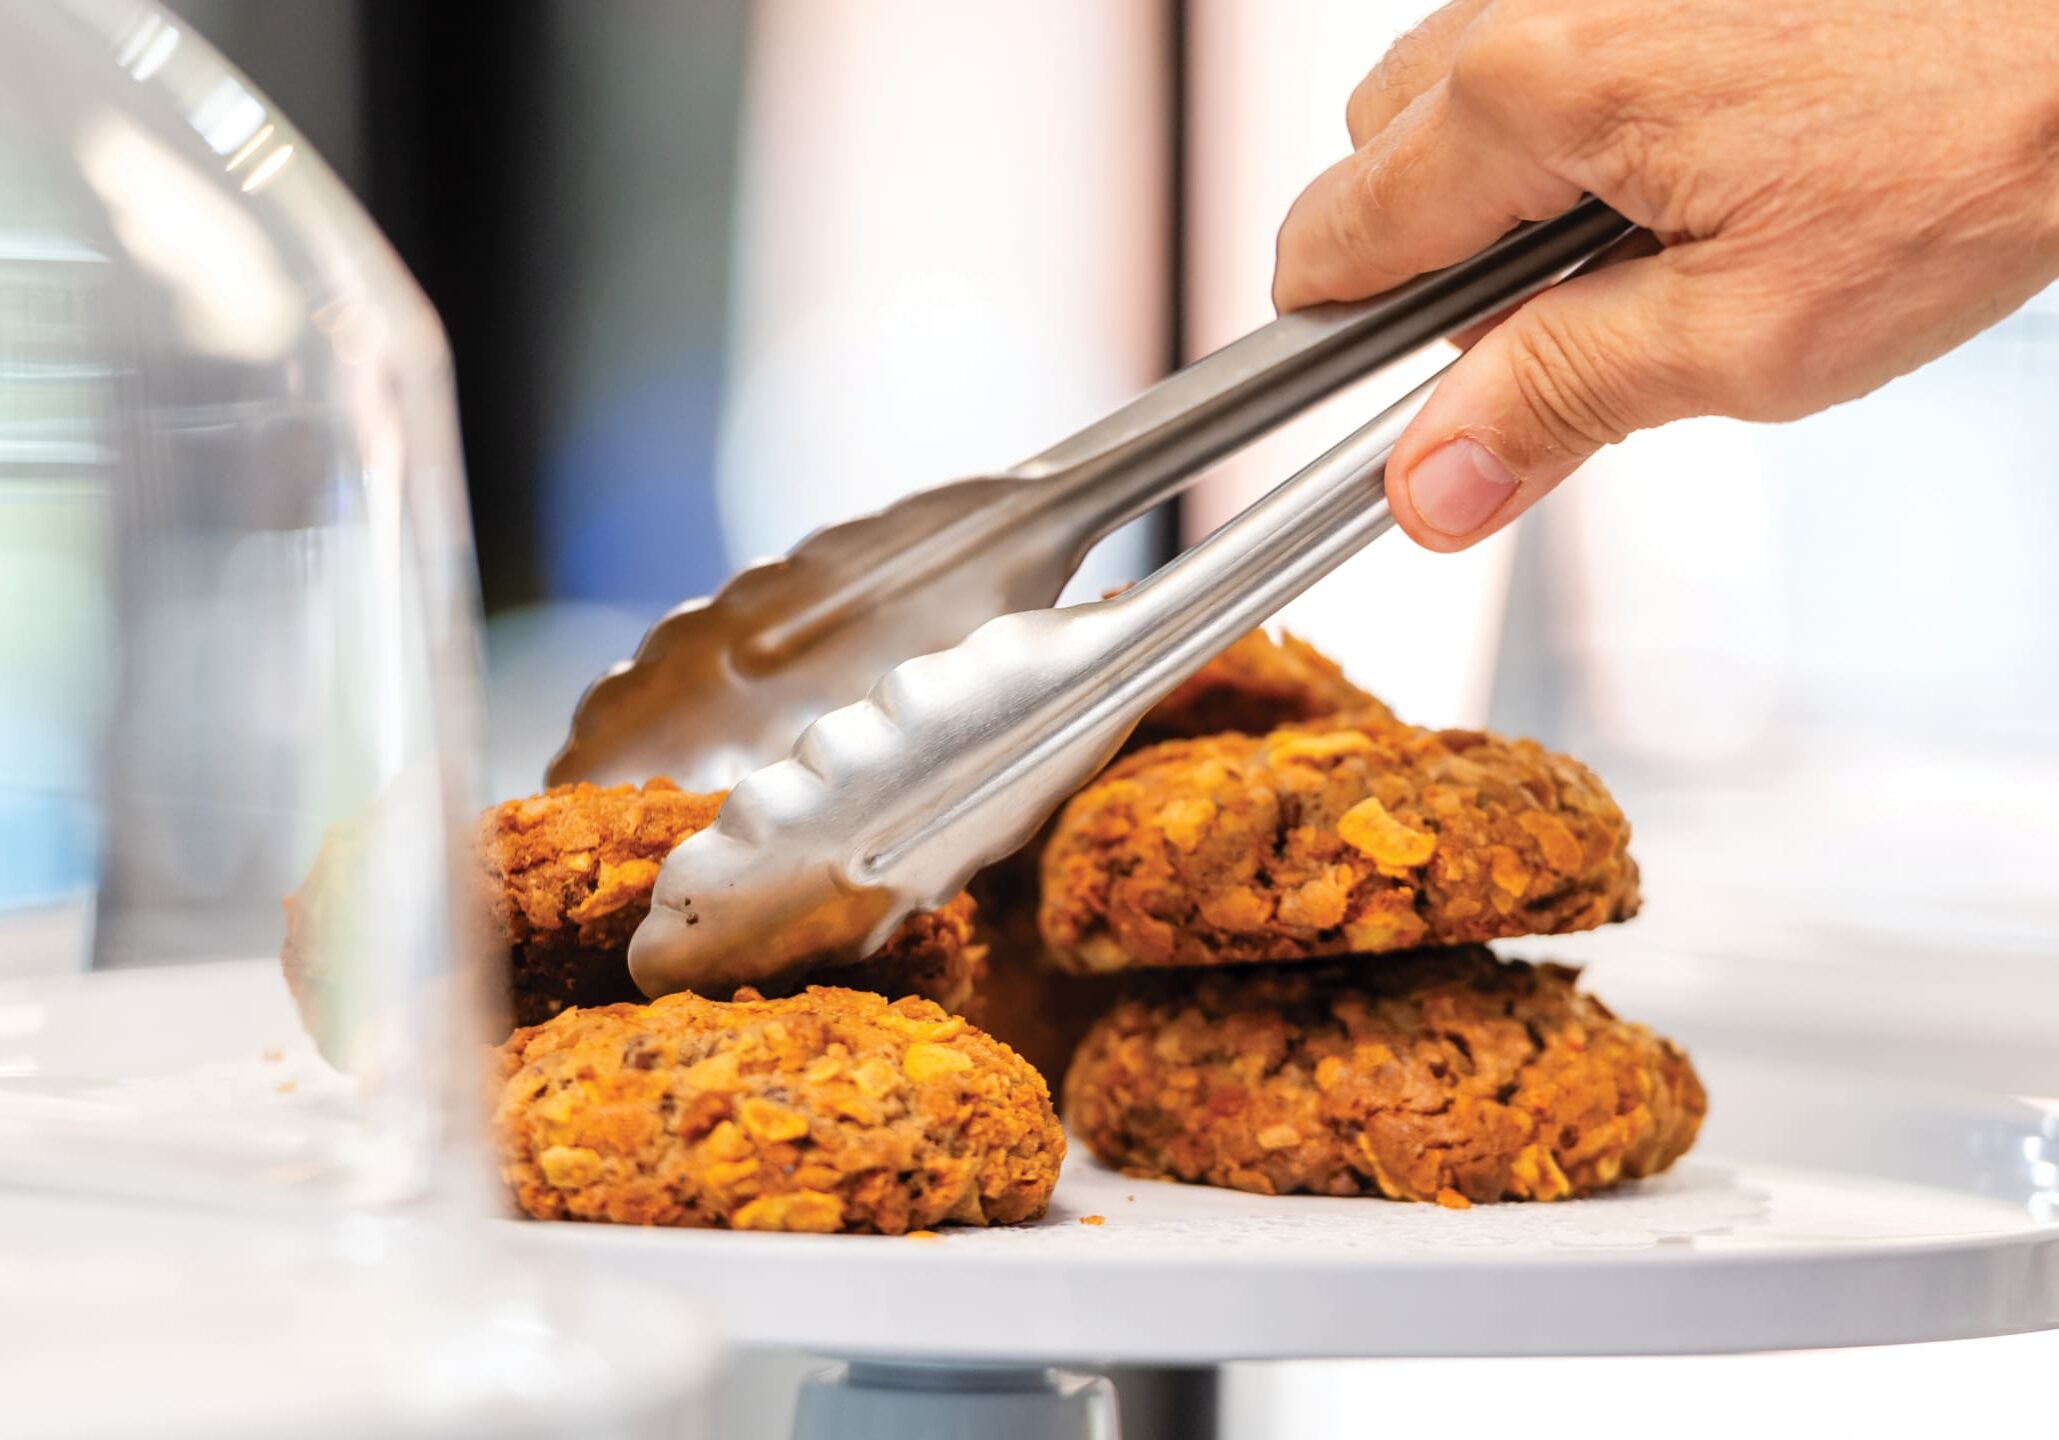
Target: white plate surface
(1823, 1208)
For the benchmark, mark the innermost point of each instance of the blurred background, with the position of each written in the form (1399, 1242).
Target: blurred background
(718, 272)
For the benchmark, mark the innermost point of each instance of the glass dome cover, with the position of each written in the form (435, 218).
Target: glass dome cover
(237, 620)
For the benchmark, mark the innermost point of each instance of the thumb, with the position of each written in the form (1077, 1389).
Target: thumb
(1576, 368)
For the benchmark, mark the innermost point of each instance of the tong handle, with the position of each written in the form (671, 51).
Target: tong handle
(1148, 450)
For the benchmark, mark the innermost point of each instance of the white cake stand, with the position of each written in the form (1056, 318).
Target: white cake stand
(1822, 1208)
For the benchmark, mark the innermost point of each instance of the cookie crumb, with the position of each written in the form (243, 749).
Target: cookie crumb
(272, 1057)
(1450, 1199)
(285, 1087)
(1093, 1219)
(922, 1235)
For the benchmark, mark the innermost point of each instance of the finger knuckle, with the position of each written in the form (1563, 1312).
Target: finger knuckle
(1354, 220)
(1615, 149)
(1367, 104)
(1551, 68)
(1360, 109)
(1401, 72)
(1490, 64)
(1572, 386)
(1573, 43)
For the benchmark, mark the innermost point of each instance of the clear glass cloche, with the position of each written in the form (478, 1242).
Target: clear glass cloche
(237, 633)
(241, 1166)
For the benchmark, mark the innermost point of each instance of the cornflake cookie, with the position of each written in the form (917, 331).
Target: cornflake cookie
(571, 872)
(1446, 1076)
(1349, 836)
(566, 877)
(828, 1110)
(1256, 685)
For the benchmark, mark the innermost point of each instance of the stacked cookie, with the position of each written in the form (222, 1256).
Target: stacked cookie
(1298, 912)
(1253, 947)
(861, 1104)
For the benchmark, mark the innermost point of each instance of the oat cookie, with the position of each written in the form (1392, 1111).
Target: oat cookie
(828, 1110)
(1258, 684)
(1446, 1075)
(1351, 835)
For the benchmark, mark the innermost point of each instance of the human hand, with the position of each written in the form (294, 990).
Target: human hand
(1844, 190)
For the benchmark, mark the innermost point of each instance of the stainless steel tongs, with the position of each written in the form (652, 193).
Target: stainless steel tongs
(954, 758)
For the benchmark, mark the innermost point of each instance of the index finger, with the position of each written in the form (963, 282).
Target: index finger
(1439, 184)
